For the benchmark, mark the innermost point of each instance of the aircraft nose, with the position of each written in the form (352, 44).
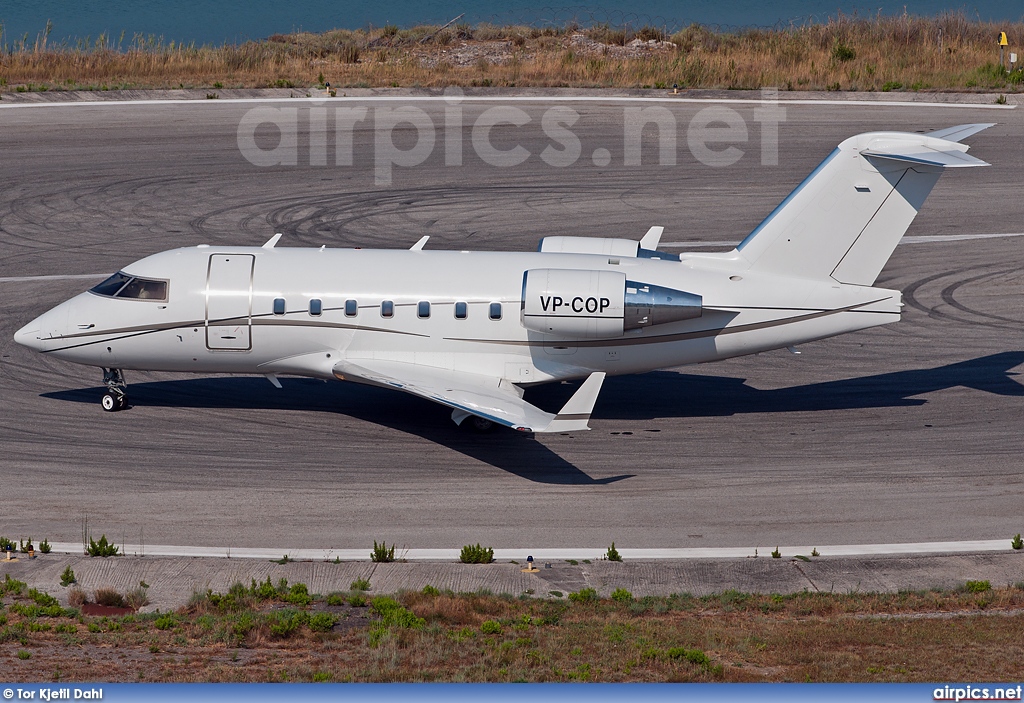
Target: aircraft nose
(28, 336)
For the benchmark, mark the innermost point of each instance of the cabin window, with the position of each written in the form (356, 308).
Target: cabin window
(461, 311)
(387, 308)
(316, 307)
(121, 285)
(495, 312)
(279, 306)
(351, 308)
(423, 309)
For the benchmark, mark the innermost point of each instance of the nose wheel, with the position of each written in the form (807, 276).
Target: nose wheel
(116, 397)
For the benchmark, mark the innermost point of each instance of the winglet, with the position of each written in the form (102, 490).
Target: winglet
(272, 242)
(418, 246)
(652, 239)
(575, 415)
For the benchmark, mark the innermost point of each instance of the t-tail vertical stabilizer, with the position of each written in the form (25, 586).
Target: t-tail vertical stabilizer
(847, 217)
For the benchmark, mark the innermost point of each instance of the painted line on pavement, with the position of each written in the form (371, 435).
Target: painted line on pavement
(319, 100)
(845, 550)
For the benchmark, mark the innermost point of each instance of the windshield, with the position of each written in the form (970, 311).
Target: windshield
(121, 285)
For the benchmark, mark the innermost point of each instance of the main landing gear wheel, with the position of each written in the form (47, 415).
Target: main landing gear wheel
(480, 424)
(115, 398)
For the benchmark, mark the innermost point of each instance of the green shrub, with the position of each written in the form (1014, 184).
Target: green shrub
(382, 553)
(243, 624)
(13, 586)
(321, 677)
(694, 656)
(26, 546)
(322, 622)
(264, 590)
(842, 53)
(43, 611)
(6, 543)
(393, 614)
(613, 554)
(584, 595)
(165, 622)
(977, 586)
(67, 577)
(429, 590)
(23, 654)
(284, 622)
(45, 547)
(335, 599)
(1017, 542)
(776, 554)
(891, 85)
(43, 599)
(103, 548)
(621, 595)
(298, 595)
(359, 585)
(475, 554)
(357, 601)
(490, 627)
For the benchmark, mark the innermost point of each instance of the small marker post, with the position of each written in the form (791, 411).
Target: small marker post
(530, 568)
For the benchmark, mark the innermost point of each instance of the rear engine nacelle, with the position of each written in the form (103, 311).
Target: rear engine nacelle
(581, 304)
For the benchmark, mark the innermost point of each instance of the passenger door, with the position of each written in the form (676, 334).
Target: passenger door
(229, 302)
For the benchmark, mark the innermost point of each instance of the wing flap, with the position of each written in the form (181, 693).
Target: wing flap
(474, 394)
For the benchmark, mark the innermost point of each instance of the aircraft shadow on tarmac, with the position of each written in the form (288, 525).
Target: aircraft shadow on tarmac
(630, 398)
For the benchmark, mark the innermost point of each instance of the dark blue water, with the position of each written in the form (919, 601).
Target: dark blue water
(193, 21)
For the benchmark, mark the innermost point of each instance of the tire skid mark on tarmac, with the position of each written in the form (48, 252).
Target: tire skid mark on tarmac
(914, 293)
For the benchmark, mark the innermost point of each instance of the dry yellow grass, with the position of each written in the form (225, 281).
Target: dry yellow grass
(899, 53)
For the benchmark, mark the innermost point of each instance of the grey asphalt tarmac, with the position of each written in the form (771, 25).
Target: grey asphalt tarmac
(907, 433)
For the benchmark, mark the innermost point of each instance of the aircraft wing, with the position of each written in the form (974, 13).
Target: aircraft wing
(469, 394)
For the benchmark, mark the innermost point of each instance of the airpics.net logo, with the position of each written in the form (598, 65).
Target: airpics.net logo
(384, 137)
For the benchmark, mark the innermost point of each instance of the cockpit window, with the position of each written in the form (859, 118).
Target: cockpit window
(113, 284)
(121, 285)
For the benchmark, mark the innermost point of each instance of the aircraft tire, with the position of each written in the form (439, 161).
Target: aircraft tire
(480, 424)
(110, 402)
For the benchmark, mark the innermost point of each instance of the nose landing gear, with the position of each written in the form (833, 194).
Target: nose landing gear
(116, 397)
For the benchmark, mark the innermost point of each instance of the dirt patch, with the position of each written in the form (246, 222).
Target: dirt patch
(105, 610)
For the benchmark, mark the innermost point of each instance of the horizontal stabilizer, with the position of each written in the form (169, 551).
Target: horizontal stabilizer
(960, 132)
(846, 218)
(929, 157)
(474, 394)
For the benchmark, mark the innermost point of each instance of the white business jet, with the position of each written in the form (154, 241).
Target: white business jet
(470, 330)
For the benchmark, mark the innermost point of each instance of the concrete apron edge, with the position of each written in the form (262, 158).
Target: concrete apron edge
(637, 554)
